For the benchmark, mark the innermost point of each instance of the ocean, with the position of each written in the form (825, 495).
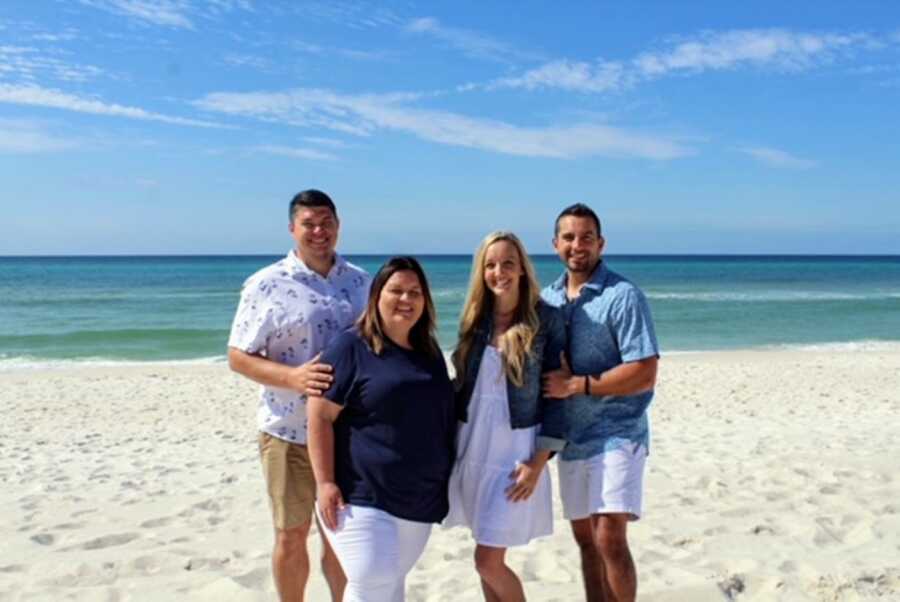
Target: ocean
(179, 308)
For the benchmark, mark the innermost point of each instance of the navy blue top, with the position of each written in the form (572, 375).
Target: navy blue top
(394, 439)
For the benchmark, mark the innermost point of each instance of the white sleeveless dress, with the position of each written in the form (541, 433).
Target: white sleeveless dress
(488, 450)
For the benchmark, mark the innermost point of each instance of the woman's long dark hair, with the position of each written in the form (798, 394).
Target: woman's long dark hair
(421, 336)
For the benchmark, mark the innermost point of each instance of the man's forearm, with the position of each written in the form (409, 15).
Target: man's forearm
(259, 369)
(629, 378)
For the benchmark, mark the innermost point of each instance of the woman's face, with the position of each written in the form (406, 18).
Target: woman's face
(503, 269)
(401, 301)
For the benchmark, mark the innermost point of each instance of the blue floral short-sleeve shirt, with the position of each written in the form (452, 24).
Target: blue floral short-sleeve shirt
(607, 325)
(288, 313)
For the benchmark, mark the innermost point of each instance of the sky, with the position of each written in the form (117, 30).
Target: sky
(186, 126)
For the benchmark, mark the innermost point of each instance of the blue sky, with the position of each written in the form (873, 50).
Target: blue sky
(185, 126)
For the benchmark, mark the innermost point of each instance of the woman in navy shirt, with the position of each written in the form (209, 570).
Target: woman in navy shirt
(381, 437)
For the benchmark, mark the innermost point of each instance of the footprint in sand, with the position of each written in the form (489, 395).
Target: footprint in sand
(153, 523)
(257, 579)
(44, 539)
(68, 526)
(108, 541)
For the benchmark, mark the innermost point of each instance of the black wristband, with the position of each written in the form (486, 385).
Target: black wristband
(587, 384)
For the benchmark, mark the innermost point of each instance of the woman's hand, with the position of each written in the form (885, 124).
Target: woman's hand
(311, 378)
(330, 501)
(525, 478)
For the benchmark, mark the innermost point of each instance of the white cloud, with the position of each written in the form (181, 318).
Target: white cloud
(774, 157)
(166, 13)
(30, 63)
(177, 14)
(469, 42)
(21, 137)
(573, 76)
(38, 96)
(350, 53)
(352, 14)
(365, 114)
(329, 142)
(779, 49)
(294, 152)
(247, 60)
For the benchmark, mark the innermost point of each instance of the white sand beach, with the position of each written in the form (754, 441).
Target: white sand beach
(773, 476)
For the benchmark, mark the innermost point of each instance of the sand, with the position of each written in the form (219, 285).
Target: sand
(773, 475)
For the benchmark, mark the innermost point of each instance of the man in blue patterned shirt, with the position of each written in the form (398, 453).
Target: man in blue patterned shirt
(606, 383)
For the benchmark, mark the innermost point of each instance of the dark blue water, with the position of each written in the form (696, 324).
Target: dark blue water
(167, 308)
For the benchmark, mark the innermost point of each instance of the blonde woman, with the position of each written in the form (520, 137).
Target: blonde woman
(499, 487)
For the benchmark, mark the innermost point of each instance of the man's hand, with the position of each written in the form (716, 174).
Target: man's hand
(312, 378)
(525, 478)
(559, 383)
(330, 501)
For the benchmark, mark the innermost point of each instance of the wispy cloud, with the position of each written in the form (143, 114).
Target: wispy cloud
(601, 76)
(21, 137)
(30, 63)
(37, 96)
(247, 60)
(469, 42)
(774, 157)
(355, 15)
(350, 53)
(366, 114)
(329, 142)
(294, 152)
(779, 49)
(176, 14)
(166, 13)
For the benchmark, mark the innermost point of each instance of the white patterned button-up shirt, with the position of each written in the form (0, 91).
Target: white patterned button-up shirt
(288, 313)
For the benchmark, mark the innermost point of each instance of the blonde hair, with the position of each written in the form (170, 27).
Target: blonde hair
(514, 344)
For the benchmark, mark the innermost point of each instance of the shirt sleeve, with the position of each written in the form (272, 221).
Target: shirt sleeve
(253, 321)
(341, 355)
(633, 327)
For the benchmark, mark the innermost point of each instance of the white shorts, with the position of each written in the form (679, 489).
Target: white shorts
(609, 483)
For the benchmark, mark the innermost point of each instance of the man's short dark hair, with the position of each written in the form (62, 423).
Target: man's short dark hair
(577, 210)
(311, 198)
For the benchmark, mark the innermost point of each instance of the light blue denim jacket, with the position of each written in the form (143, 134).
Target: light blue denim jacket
(608, 324)
(527, 404)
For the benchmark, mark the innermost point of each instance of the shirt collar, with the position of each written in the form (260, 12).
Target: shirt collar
(596, 282)
(296, 265)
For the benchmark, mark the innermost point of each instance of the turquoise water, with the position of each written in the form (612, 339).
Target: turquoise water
(180, 308)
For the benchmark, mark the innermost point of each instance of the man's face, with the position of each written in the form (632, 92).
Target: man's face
(578, 243)
(315, 229)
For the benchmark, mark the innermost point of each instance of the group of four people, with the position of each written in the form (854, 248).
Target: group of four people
(361, 425)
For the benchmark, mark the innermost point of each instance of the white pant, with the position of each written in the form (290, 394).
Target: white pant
(611, 482)
(376, 551)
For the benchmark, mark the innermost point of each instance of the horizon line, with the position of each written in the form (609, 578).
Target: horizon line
(447, 254)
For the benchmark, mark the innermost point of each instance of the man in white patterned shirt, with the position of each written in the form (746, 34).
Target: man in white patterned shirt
(288, 313)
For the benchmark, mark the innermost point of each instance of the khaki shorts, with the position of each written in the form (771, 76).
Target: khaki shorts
(289, 481)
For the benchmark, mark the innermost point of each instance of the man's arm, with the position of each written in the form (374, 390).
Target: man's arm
(629, 378)
(311, 378)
